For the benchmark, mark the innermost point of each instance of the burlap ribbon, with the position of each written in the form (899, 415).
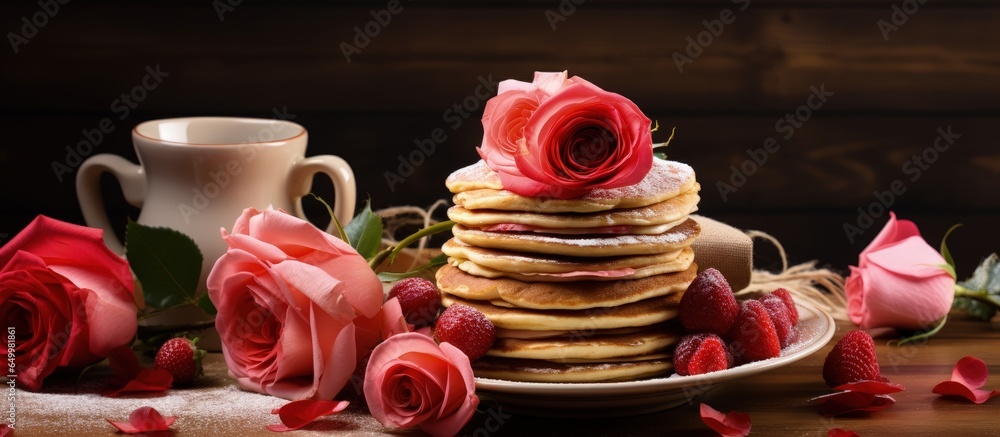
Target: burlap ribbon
(730, 250)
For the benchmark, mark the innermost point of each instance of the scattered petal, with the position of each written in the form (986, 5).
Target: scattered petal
(732, 424)
(872, 387)
(296, 414)
(843, 402)
(5, 431)
(124, 366)
(148, 380)
(144, 419)
(837, 432)
(967, 380)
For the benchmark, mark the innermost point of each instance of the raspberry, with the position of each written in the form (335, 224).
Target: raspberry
(753, 337)
(419, 299)
(793, 312)
(708, 304)
(852, 359)
(780, 317)
(467, 329)
(701, 353)
(181, 358)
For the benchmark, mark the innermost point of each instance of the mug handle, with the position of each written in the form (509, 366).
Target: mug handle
(130, 176)
(300, 184)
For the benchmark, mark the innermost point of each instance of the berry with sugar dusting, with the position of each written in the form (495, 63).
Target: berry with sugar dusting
(467, 329)
(708, 305)
(753, 337)
(701, 353)
(781, 318)
(419, 298)
(789, 302)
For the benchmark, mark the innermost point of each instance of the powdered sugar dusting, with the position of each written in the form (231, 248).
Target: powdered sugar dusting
(478, 175)
(665, 176)
(217, 407)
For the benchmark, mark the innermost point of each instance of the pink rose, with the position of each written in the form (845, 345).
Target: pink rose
(288, 295)
(412, 381)
(898, 282)
(563, 137)
(70, 299)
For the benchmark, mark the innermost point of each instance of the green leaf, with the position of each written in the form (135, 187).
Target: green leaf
(986, 277)
(333, 218)
(166, 262)
(660, 155)
(946, 254)
(206, 305)
(431, 265)
(364, 232)
(975, 308)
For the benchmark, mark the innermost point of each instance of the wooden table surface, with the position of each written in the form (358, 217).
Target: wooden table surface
(777, 402)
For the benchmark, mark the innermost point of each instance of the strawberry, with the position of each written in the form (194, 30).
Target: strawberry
(467, 329)
(780, 317)
(753, 337)
(708, 305)
(852, 359)
(181, 358)
(789, 302)
(419, 298)
(701, 353)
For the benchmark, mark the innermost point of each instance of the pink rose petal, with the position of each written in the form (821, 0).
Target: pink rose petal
(871, 387)
(297, 414)
(844, 402)
(144, 419)
(967, 379)
(148, 380)
(837, 432)
(732, 424)
(5, 430)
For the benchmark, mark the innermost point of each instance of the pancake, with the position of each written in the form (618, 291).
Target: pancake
(513, 369)
(641, 313)
(675, 239)
(668, 211)
(586, 345)
(632, 359)
(514, 333)
(478, 187)
(606, 230)
(563, 295)
(610, 273)
(516, 262)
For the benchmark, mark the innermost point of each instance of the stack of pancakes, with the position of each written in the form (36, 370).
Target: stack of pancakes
(582, 289)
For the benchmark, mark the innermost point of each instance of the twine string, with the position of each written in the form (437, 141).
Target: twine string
(821, 287)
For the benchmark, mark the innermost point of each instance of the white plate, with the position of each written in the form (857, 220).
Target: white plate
(610, 399)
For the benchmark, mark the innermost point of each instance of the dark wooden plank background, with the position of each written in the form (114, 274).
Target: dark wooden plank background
(940, 68)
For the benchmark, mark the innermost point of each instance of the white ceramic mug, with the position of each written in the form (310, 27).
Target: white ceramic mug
(198, 174)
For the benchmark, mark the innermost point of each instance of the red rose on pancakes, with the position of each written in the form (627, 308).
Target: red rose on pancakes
(69, 298)
(563, 137)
